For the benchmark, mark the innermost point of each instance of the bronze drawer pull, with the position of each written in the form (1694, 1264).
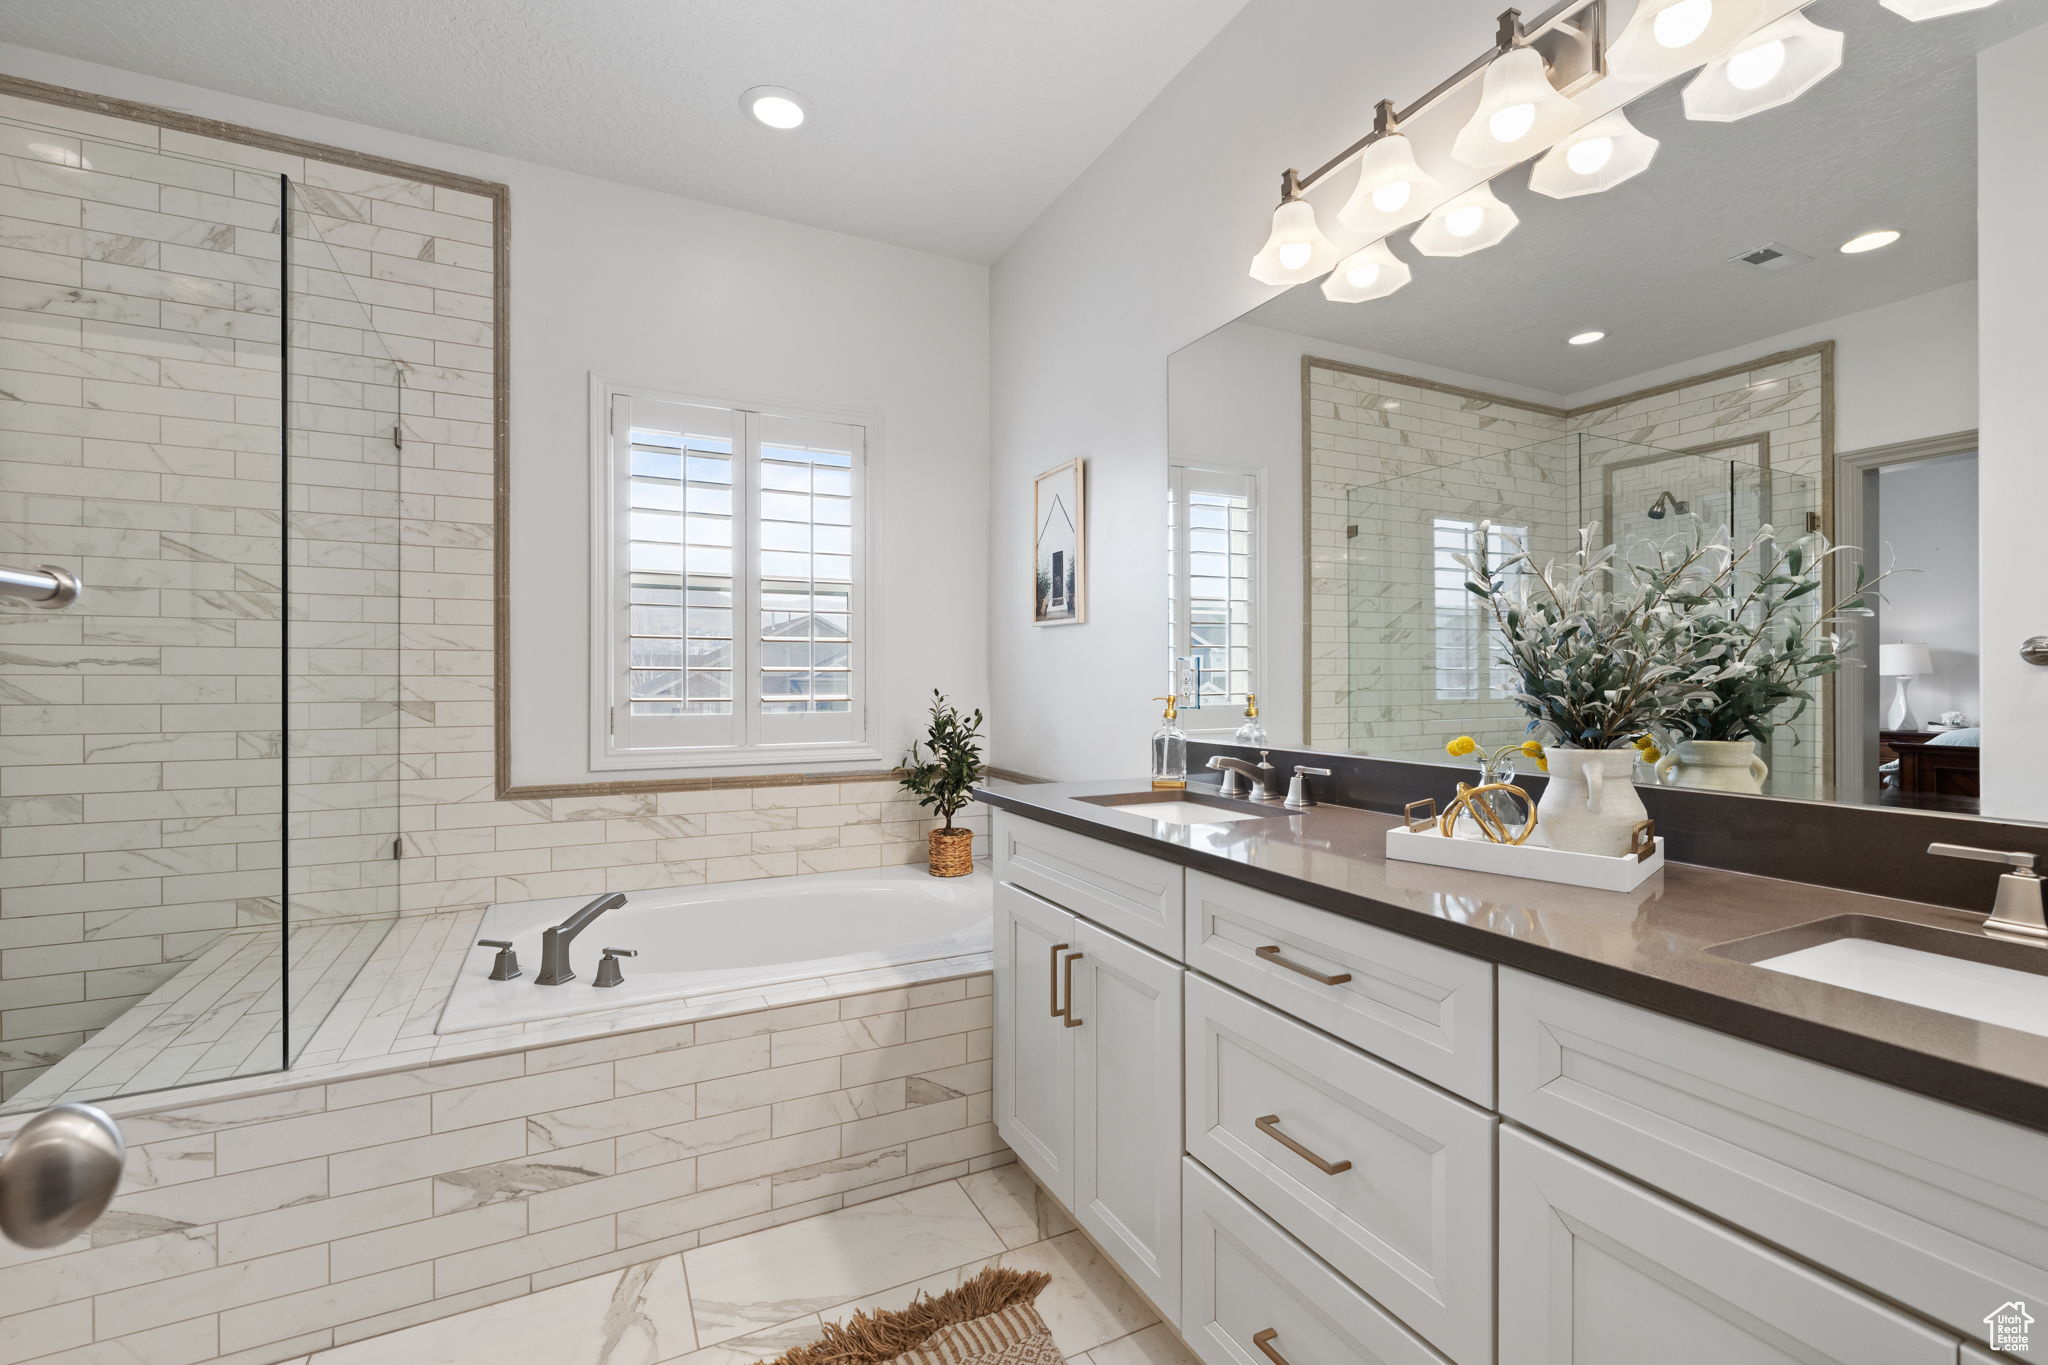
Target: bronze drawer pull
(1264, 1341)
(1072, 1020)
(1052, 979)
(1270, 1126)
(1271, 953)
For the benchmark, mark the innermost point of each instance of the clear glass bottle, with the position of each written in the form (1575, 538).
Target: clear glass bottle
(1251, 732)
(1169, 752)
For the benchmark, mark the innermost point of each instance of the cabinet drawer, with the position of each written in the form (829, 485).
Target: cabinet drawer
(1940, 1209)
(1409, 1219)
(1244, 1277)
(1419, 1006)
(1596, 1269)
(1137, 896)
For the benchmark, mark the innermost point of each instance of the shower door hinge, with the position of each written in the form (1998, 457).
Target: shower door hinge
(398, 847)
(397, 436)
(1812, 523)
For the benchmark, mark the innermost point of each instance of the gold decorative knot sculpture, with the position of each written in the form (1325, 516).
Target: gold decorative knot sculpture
(1478, 803)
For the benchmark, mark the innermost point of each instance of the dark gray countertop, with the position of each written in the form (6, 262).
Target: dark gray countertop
(1647, 947)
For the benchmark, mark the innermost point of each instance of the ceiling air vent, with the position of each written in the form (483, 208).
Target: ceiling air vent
(1772, 256)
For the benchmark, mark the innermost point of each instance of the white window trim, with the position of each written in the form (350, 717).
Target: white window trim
(607, 602)
(1227, 718)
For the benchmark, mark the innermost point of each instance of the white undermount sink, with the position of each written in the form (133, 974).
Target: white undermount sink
(1936, 969)
(1188, 813)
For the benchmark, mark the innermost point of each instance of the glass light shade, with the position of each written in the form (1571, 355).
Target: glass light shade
(1773, 66)
(1519, 113)
(1597, 157)
(1296, 250)
(1371, 273)
(1665, 37)
(1916, 10)
(1393, 190)
(1472, 222)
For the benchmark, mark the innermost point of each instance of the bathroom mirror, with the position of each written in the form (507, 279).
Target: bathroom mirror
(1715, 342)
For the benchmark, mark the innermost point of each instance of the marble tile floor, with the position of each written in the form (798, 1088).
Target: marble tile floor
(756, 1296)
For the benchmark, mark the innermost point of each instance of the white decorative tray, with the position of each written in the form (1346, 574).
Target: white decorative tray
(1595, 870)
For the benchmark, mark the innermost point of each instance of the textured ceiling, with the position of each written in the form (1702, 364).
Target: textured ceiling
(945, 125)
(1887, 141)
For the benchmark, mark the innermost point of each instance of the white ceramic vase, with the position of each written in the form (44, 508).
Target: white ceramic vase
(1590, 804)
(1714, 765)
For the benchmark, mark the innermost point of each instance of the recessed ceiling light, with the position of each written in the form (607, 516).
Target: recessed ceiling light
(774, 106)
(1584, 338)
(1870, 241)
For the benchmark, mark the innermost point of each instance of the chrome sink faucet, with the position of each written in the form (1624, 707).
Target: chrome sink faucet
(1262, 775)
(554, 943)
(2018, 907)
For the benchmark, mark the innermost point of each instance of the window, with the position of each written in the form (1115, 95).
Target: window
(732, 586)
(1212, 519)
(1466, 669)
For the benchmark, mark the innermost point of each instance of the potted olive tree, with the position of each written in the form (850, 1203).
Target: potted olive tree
(941, 773)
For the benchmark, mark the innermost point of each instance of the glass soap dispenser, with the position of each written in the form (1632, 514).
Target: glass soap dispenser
(1170, 751)
(1251, 732)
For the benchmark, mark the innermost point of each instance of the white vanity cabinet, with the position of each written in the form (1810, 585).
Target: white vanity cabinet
(1087, 1071)
(1597, 1270)
(1311, 1140)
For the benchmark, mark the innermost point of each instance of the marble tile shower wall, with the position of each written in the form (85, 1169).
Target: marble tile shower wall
(1365, 430)
(136, 788)
(258, 1228)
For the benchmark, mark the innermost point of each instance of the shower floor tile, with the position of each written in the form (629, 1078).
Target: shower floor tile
(681, 1309)
(224, 1015)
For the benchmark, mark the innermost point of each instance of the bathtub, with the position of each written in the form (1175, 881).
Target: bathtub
(728, 938)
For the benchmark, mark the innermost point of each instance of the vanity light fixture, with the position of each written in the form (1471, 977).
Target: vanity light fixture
(774, 107)
(1665, 37)
(1916, 10)
(1585, 338)
(1393, 190)
(1773, 66)
(1597, 157)
(1870, 241)
(1370, 273)
(1296, 249)
(1519, 111)
(1473, 221)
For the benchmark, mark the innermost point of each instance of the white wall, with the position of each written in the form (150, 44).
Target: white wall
(1145, 253)
(2012, 471)
(635, 284)
(1927, 516)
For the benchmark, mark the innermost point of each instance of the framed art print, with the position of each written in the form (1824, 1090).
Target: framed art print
(1058, 541)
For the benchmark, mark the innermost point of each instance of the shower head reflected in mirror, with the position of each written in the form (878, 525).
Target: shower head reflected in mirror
(1667, 502)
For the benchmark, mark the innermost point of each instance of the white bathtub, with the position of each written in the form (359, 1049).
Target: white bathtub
(714, 940)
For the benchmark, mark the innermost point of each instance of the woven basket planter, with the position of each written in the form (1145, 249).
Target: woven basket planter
(952, 852)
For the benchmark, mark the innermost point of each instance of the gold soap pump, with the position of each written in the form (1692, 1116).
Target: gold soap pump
(1170, 751)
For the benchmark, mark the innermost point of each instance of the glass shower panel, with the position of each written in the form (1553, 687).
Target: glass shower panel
(1421, 655)
(141, 877)
(342, 398)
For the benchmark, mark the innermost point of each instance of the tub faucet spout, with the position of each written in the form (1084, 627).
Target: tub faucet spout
(554, 943)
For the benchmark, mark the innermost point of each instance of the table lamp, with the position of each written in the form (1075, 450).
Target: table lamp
(1904, 662)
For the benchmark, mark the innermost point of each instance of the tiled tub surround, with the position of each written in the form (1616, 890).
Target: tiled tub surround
(401, 1177)
(1365, 428)
(120, 832)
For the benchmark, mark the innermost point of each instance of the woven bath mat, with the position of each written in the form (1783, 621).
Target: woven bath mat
(988, 1320)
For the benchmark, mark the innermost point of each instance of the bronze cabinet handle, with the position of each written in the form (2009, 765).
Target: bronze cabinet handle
(1052, 980)
(1073, 1020)
(1271, 953)
(1264, 1341)
(1270, 1126)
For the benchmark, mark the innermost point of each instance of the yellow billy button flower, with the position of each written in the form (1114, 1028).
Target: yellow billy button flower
(1543, 763)
(1532, 749)
(1650, 753)
(1461, 746)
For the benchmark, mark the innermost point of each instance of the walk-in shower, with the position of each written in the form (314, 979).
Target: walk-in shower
(198, 756)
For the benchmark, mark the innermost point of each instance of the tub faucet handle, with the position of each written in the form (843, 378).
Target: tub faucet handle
(506, 967)
(608, 973)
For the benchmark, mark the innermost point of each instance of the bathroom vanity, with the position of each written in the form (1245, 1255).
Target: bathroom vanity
(1326, 1109)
